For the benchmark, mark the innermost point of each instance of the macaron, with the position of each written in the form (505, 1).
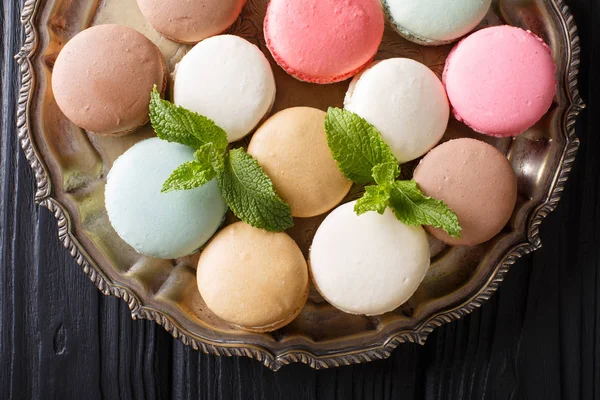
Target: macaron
(253, 279)
(161, 225)
(435, 22)
(405, 101)
(189, 22)
(229, 80)
(368, 264)
(323, 41)
(476, 181)
(291, 147)
(500, 80)
(103, 77)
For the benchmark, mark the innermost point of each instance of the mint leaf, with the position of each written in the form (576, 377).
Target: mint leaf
(249, 193)
(385, 174)
(356, 145)
(412, 207)
(375, 199)
(207, 154)
(176, 124)
(189, 175)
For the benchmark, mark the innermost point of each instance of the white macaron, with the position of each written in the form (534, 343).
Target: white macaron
(229, 80)
(369, 264)
(405, 101)
(435, 22)
(160, 225)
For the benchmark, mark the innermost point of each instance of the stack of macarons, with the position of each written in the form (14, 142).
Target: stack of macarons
(499, 81)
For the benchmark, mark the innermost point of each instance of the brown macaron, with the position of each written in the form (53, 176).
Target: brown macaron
(253, 279)
(476, 181)
(190, 21)
(103, 77)
(291, 147)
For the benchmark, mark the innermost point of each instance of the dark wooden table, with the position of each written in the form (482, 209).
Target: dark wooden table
(538, 338)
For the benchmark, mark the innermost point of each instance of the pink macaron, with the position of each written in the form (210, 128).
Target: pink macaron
(500, 80)
(323, 41)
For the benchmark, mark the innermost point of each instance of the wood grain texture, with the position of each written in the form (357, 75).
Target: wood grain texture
(537, 338)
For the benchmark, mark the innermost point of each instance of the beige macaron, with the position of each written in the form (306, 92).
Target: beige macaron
(103, 76)
(253, 279)
(291, 147)
(476, 181)
(188, 21)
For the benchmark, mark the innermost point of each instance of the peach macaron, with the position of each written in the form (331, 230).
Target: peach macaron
(323, 41)
(253, 279)
(291, 147)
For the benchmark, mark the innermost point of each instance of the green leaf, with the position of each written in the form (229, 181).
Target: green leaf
(189, 175)
(176, 124)
(356, 145)
(412, 207)
(207, 154)
(385, 174)
(375, 199)
(249, 193)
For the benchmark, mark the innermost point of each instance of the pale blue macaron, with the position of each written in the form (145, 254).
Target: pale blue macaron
(160, 225)
(435, 22)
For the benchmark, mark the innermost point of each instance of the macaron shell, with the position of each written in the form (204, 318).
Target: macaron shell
(435, 22)
(291, 147)
(189, 22)
(323, 41)
(103, 76)
(228, 80)
(405, 101)
(476, 181)
(368, 264)
(254, 279)
(500, 80)
(161, 225)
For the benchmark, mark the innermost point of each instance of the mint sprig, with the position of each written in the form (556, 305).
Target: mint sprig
(245, 187)
(356, 145)
(364, 158)
(176, 124)
(249, 193)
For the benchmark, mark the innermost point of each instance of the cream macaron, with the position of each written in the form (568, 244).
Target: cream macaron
(229, 80)
(103, 76)
(291, 147)
(368, 264)
(435, 22)
(405, 101)
(253, 279)
(187, 21)
(160, 225)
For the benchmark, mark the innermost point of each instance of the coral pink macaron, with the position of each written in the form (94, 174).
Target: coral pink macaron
(500, 80)
(323, 41)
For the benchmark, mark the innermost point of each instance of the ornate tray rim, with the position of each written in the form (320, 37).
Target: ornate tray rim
(43, 196)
